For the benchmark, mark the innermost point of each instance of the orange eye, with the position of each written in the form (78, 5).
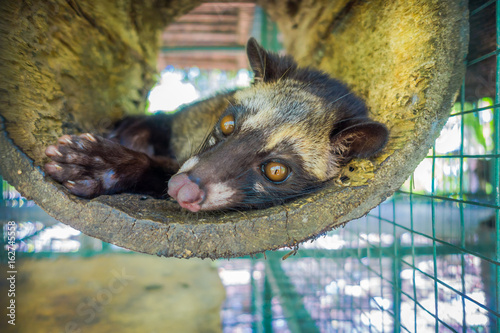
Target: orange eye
(276, 172)
(227, 124)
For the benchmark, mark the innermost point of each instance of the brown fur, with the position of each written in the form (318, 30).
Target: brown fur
(298, 117)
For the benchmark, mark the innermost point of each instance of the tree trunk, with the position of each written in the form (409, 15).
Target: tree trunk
(75, 66)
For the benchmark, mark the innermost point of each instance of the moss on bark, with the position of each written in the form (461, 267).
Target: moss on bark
(71, 66)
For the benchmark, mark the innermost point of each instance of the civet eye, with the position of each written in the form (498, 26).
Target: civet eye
(227, 124)
(275, 171)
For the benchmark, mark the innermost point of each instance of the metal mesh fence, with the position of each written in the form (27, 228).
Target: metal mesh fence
(427, 259)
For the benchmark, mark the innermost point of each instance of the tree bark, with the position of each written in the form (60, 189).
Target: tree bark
(74, 66)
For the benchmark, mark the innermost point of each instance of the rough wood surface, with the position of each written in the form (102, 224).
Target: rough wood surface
(73, 66)
(404, 57)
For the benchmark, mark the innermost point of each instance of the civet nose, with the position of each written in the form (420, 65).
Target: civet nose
(187, 193)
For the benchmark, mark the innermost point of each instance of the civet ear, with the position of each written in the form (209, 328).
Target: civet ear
(267, 66)
(360, 140)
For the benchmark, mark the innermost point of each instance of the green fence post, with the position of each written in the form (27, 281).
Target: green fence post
(396, 275)
(267, 313)
(496, 171)
(263, 30)
(461, 205)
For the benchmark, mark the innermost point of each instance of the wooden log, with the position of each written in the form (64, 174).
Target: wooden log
(71, 66)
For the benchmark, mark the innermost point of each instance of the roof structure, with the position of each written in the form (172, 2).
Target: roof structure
(213, 35)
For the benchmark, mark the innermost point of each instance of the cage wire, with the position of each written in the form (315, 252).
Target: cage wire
(427, 259)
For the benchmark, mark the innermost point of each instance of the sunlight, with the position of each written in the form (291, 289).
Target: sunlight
(171, 92)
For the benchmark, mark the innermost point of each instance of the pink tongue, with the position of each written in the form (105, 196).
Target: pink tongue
(187, 193)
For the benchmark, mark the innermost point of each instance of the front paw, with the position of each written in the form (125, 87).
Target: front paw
(87, 165)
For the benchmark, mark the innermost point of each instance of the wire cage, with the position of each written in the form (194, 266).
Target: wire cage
(427, 259)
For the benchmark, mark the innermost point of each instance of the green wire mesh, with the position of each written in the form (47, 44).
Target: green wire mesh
(427, 259)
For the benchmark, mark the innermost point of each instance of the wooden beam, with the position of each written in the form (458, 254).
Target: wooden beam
(245, 19)
(200, 27)
(204, 18)
(199, 38)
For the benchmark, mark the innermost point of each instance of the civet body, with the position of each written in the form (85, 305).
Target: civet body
(285, 136)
